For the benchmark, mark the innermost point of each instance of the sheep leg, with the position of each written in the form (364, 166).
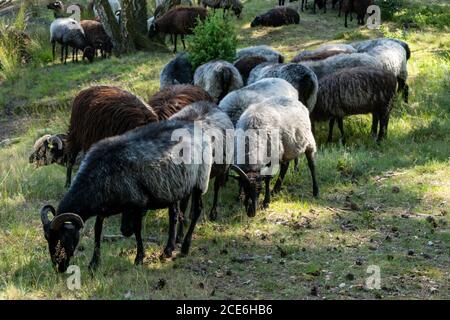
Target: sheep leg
(53, 50)
(197, 210)
(62, 53)
(95, 261)
(219, 181)
(70, 164)
(384, 120)
(340, 9)
(296, 169)
(173, 215)
(341, 128)
(403, 87)
(314, 7)
(312, 168)
(283, 169)
(67, 53)
(375, 119)
(182, 40)
(330, 130)
(140, 253)
(175, 43)
(325, 6)
(346, 15)
(181, 219)
(266, 200)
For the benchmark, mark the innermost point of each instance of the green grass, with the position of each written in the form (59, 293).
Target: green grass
(297, 244)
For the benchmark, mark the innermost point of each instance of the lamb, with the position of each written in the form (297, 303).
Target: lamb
(341, 61)
(352, 91)
(300, 76)
(393, 55)
(281, 118)
(104, 111)
(324, 52)
(277, 17)
(357, 6)
(69, 32)
(218, 78)
(226, 5)
(246, 64)
(177, 21)
(261, 51)
(236, 102)
(177, 71)
(130, 174)
(96, 37)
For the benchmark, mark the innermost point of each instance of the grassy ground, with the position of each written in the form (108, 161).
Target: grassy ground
(380, 205)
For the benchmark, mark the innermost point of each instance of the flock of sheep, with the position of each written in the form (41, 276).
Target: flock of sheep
(129, 159)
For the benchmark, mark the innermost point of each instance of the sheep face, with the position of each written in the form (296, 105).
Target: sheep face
(256, 22)
(62, 235)
(153, 30)
(237, 11)
(252, 189)
(89, 53)
(47, 150)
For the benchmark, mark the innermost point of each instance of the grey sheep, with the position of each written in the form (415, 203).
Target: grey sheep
(342, 61)
(236, 102)
(301, 77)
(177, 71)
(218, 78)
(290, 119)
(68, 32)
(393, 56)
(262, 51)
(356, 91)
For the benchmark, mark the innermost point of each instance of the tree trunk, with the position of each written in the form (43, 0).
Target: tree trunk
(120, 35)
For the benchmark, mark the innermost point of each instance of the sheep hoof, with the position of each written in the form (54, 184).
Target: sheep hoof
(316, 193)
(93, 265)
(184, 250)
(139, 260)
(265, 205)
(167, 253)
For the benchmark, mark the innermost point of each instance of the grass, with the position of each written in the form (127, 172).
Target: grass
(380, 205)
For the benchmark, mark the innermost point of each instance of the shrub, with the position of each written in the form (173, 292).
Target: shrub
(213, 38)
(389, 8)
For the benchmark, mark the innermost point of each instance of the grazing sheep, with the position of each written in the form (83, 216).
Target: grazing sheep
(276, 17)
(49, 149)
(246, 64)
(393, 56)
(356, 91)
(301, 77)
(68, 32)
(96, 37)
(177, 71)
(342, 61)
(324, 52)
(226, 5)
(177, 21)
(261, 51)
(290, 119)
(218, 78)
(320, 4)
(357, 6)
(236, 102)
(130, 174)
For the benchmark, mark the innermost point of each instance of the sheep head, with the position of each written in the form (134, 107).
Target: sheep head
(153, 30)
(251, 183)
(56, 6)
(49, 149)
(62, 234)
(89, 53)
(256, 22)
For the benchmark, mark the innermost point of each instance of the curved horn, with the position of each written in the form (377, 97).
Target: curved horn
(240, 172)
(60, 219)
(44, 213)
(56, 139)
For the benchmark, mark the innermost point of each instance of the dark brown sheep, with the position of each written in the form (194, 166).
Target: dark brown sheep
(104, 111)
(246, 64)
(172, 99)
(353, 91)
(96, 36)
(177, 21)
(357, 6)
(277, 17)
